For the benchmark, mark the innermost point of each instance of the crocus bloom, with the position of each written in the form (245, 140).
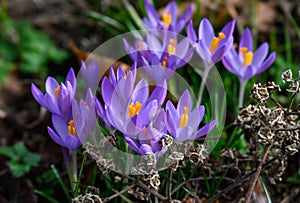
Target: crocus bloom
(121, 85)
(246, 63)
(211, 47)
(90, 74)
(169, 20)
(150, 139)
(160, 59)
(58, 97)
(183, 122)
(129, 113)
(73, 133)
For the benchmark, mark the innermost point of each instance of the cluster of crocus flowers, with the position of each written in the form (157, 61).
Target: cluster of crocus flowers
(160, 55)
(169, 19)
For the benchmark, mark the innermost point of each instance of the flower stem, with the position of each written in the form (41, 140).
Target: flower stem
(203, 82)
(242, 92)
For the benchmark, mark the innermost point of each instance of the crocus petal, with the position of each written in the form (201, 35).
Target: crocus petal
(185, 100)
(51, 104)
(184, 18)
(196, 116)
(246, 72)
(228, 28)
(159, 93)
(147, 113)
(60, 125)
(159, 122)
(206, 32)
(37, 94)
(184, 133)
(182, 48)
(55, 137)
(50, 85)
(140, 92)
(246, 40)
(107, 90)
(71, 77)
(172, 118)
(153, 43)
(231, 61)
(268, 62)
(131, 143)
(72, 142)
(218, 54)
(191, 32)
(204, 130)
(144, 149)
(260, 54)
(172, 7)
(151, 12)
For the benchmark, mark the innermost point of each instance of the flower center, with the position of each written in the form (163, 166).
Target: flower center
(215, 41)
(184, 118)
(167, 18)
(134, 108)
(148, 136)
(248, 56)
(71, 128)
(56, 91)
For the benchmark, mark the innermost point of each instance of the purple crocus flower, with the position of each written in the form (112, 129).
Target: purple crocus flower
(91, 74)
(210, 47)
(58, 97)
(150, 139)
(183, 122)
(160, 59)
(169, 20)
(73, 133)
(131, 117)
(246, 63)
(120, 85)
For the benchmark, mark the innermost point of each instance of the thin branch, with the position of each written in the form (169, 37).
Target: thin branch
(239, 182)
(145, 187)
(255, 178)
(118, 193)
(292, 101)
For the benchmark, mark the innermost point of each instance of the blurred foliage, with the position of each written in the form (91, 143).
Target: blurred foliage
(21, 159)
(25, 49)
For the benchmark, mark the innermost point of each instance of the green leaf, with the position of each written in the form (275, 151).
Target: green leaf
(32, 158)
(18, 169)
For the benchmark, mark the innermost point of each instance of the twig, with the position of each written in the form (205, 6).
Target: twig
(292, 101)
(118, 193)
(255, 178)
(240, 181)
(145, 187)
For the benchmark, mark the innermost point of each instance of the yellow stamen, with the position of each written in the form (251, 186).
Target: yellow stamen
(248, 56)
(86, 105)
(171, 47)
(56, 91)
(164, 63)
(126, 73)
(148, 136)
(184, 118)
(167, 18)
(215, 41)
(71, 128)
(140, 44)
(134, 108)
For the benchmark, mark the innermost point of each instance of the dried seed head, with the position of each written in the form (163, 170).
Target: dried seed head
(174, 159)
(272, 87)
(260, 93)
(293, 87)
(198, 154)
(90, 198)
(266, 135)
(150, 158)
(287, 76)
(166, 142)
(154, 180)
